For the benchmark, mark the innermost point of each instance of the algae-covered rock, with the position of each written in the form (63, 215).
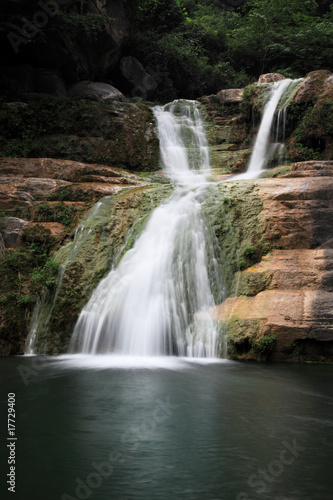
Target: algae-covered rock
(281, 307)
(226, 133)
(309, 125)
(111, 133)
(234, 211)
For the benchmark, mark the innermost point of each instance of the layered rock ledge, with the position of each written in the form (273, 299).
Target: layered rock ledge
(286, 299)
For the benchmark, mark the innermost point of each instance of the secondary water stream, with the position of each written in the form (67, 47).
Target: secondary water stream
(261, 154)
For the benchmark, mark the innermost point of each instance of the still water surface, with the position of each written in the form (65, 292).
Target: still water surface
(108, 428)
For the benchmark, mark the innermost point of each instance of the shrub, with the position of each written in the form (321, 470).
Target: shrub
(265, 345)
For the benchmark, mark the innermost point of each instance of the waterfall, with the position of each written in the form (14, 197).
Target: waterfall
(157, 300)
(259, 154)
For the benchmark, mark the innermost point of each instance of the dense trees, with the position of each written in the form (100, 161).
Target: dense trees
(205, 46)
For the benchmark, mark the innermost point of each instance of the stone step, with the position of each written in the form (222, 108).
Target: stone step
(288, 270)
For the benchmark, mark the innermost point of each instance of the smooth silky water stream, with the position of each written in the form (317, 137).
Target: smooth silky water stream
(263, 149)
(156, 301)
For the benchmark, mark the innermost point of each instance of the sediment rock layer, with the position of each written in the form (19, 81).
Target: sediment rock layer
(288, 295)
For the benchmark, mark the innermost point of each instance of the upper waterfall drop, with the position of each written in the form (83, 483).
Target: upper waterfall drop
(157, 300)
(183, 143)
(259, 153)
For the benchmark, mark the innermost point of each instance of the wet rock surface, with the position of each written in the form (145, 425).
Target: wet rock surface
(288, 294)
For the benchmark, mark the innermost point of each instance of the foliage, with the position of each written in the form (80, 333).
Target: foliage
(55, 213)
(204, 47)
(71, 193)
(242, 264)
(250, 252)
(28, 271)
(39, 241)
(264, 345)
(44, 277)
(89, 24)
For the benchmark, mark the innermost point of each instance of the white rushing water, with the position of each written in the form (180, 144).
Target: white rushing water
(156, 301)
(259, 154)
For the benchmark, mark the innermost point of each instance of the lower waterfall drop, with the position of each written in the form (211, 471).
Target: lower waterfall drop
(157, 301)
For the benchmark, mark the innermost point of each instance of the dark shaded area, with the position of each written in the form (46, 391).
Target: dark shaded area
(185, 48)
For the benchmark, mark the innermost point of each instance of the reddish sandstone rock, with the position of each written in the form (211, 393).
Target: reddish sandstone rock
(289, 293)
(270, 77)
(25, 181)
(312, 86)
(230, 95)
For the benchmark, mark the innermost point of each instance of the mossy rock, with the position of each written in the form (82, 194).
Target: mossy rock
(233, 210)
(240, 333)
(104, 235)
(251, 283)
(111, 133)
(276, 172)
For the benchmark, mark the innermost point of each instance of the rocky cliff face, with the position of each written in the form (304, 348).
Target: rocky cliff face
(119, 134)
(275, 234)
(233, 117)
(41, 203)
(281, 306)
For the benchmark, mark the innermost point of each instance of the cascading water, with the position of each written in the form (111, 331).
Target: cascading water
(259, 155)
(157, 300)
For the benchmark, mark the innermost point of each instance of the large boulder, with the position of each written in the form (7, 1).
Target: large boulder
(10, 229)
(133, 71)
(311, 115)
(108, 132)
(312, 86)
(95, 91)
(230, 96)
(270, 78)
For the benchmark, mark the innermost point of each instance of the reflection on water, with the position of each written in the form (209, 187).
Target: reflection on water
(168, 428)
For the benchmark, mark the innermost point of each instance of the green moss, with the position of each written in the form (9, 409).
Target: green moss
(72, 193)
(264, 346)
(109, 132)
(276, 172)
(241, 264)
(253, 101)
(250, 253)
(310, 129)
(237, 225)
(239, 332)
(26, 273)
(251, 283)
(55, 213)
